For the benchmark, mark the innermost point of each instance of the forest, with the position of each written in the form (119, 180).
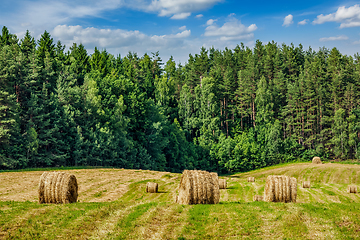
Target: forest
(225, 110)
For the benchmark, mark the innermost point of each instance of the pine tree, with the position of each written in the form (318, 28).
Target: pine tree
(340, 132)
(246, 92)
(146, 76)
(209, 112)
(27, 44)
(186, 108)
(45, 46)
(6, 38)
(79, 62)
(102, 62)
(201, 63)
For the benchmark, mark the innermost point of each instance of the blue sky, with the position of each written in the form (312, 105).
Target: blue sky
(180, 27)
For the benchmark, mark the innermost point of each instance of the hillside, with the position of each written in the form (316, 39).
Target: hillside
(113, 205)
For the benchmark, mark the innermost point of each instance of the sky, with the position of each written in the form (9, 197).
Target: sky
(181, 27)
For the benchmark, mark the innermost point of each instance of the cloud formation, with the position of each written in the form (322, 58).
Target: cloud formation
(303, 22)
(176, 7)
(210, 22)
(347, 17)
(38, 15)
(337, 38)
(288, 20)
(180, 16)
(231, 30)
(118, 38)
(121, 41)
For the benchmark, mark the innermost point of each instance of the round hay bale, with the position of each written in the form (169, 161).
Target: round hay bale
(215, 196)
(287, 185)
(222, 183)
(251, 179)
(214, 188)
(198, 187)
(280, 189)
(48, 187)
(42, 187)
(306, 184)
(352, 189)
(316, 160)
(57, 187)
(293, 189)
(258, 198)
(151, 187)
(269, 191)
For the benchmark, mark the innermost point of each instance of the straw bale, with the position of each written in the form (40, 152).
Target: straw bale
(258, 198)
(316, 160)
(198, 187)
(48, 184)
(42, 187)
(251, 179)
(151, 187)
(57, 187)
(214, 188)
(352, 189)
(280, 189)
(69, 188)
(293, 187)
(306, 184)
(222, 183)
(279, 192)
(287, 183)
(269, 191)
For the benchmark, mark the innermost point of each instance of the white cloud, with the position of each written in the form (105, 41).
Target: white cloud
(337, 38)
(122, 41)
(171, 7)
(183, 34)
(350, 24)
(288, 20)
(232, 30)
(182, 28)
(210, 22)
(38, 15)
(356, 42)
(199, 16)
(180, 16)
(348, 17)
(107, 38)
(303, 22)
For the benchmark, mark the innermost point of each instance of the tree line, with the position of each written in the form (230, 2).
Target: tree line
(224, 110)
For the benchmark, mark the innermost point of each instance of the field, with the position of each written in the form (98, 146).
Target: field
(112, 204)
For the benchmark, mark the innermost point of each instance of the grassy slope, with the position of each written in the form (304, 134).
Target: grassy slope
(325, 210)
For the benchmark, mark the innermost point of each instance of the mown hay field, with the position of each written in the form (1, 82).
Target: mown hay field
(113, 204)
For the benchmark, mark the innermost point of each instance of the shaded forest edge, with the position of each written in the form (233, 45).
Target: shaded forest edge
(224, 110)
